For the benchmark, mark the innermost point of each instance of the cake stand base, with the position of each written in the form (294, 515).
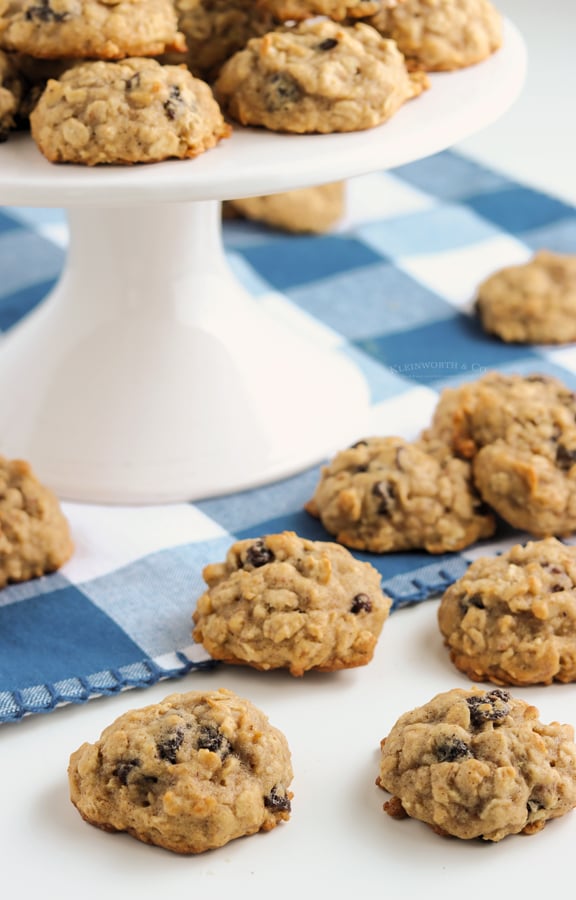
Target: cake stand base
(150, 375)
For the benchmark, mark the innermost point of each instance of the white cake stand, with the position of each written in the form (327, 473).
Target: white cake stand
(149, 374)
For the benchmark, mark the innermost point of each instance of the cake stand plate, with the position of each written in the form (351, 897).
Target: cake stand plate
(149, 374)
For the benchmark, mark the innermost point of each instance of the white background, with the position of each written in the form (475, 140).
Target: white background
(536, 139)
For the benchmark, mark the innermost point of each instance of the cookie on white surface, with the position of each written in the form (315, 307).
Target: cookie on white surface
(189, 774)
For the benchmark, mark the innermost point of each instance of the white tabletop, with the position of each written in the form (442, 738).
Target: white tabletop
(335, 730)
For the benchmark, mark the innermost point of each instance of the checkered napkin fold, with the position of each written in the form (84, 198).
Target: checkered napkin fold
(391, 287)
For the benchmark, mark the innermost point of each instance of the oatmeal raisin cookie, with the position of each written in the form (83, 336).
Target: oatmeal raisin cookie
(89, 29)
(188, 774)
(532, 303)
(441, 35)
(34, 533)
(282, 601)
(478, 764)
(511, 619)
(216, 29)
(311, 210)
(133, 111)
(520, 433)
(385, 494)
(316, 77)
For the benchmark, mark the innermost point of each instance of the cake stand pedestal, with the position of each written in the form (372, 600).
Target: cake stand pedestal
(149, 374)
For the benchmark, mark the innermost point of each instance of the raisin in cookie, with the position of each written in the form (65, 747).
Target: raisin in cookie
(316, 77)
(89, 29)
(11, 90)
(285, 602)
(385, 494)
(520, 432)
(134, 111)
(532, 303)
(216, 29)
(311, 210)
(442, 35)
(478, 764)
(34, 533)
(188, 774)
(511, 619)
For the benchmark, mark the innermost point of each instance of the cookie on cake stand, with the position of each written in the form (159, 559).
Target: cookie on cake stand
(149, 374)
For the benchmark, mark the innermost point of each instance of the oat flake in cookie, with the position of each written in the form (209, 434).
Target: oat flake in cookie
(317, 77)
(384, 494)
(478, 764)
(282, 601)
(134, 111)
(34, 533)
(89, 29)
(511, 619)
(188, 774)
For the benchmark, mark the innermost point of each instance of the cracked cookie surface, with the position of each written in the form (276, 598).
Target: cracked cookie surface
(478, 764)
(442, 35)
(384, 494)
(282, 601)
(316, 77)
(531, 303)
(511, 619)
(133, 111)
(89, 29)
(188, 774)
(34, 533)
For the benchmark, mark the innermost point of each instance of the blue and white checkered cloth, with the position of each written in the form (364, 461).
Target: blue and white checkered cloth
(393, 286)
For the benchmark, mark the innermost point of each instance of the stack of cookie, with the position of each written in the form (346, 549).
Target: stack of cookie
(519, 433)
(114, 102)
(504, 445)
(297, 66)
